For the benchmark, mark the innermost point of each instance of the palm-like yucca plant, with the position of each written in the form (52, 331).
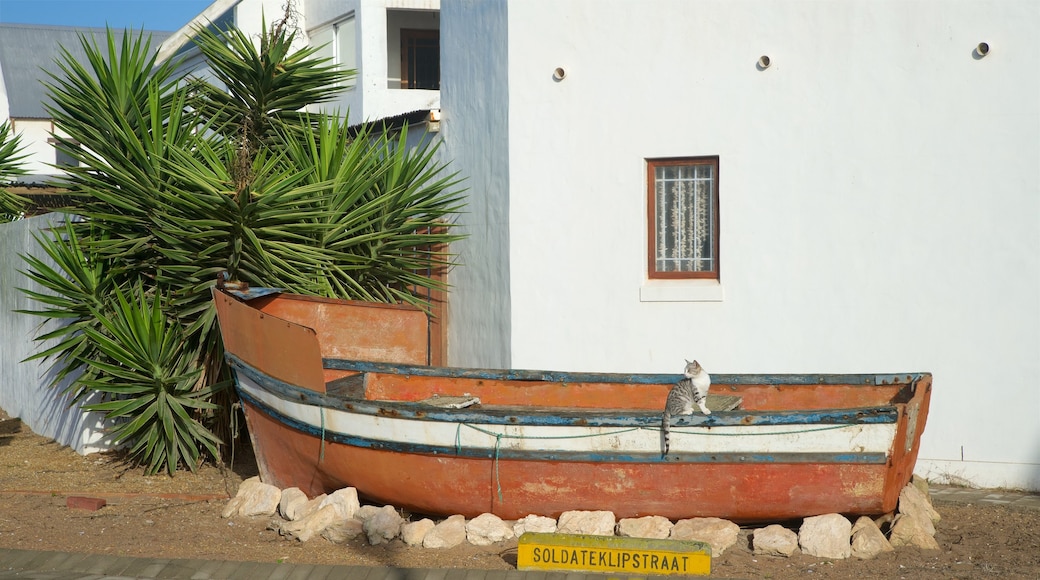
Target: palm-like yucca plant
(150, 381)
(121, 119)
(11, 157)
(392, 219)
(264, 85)
(181, 180)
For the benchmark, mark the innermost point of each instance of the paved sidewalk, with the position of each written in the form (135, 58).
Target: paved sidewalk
(38, 565)
(67, 566)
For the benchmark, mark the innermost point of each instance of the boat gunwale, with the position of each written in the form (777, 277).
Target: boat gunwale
(793, 379)
(572, 416)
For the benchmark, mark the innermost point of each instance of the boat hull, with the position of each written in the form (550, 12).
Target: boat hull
(420, 460)
(543, 443)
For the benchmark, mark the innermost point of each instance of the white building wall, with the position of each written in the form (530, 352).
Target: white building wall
(39, 153)
(252, 15)
(377, 93)
(5, 103)
(319, 12)
(380, 100)
(319, 15)
(475, 133)
(880, 198)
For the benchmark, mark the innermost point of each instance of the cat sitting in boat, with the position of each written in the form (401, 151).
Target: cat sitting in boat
(692, 388)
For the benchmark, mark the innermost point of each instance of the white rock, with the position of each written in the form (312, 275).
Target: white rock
(383, 526)
(867, 539)
(774, 540)
(720, 533)
(533, 523)
(914, 503)
(658, 527)
(413, 533)
(341, 530)
(345, 501)
(447, 534)
(366, 511)
(312, 525)
(311, 506)
(232, 508)
(487, 529)
(826, 536)
(254, 498)
(596, 523)
(908, 530)
(292, 503)
(922, 486)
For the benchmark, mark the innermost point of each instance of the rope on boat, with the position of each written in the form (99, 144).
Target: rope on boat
(499, 436)
(498, 443)
(458, 439)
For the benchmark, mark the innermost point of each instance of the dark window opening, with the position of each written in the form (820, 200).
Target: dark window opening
(420, 59)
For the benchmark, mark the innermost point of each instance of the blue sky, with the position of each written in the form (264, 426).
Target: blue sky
(167, 15)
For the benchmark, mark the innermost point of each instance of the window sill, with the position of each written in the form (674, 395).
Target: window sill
(681, 291)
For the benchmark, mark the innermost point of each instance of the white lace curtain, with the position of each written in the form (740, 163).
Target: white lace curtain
(684, 222)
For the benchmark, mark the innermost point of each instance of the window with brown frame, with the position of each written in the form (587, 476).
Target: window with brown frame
(420, 59)
(683, 217)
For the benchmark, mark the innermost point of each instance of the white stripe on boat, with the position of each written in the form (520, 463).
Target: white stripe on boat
(757, 439)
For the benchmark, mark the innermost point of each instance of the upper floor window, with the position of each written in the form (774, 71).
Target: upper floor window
(683, 217)
(337, 42)
(420, 59)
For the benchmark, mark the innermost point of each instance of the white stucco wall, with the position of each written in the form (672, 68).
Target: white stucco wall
(39, 154)
(25, 390)
(5, 103)
(250, 16)
(880, 197)
(475, 134)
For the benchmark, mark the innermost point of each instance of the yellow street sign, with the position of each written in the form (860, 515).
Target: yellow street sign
(585, 553)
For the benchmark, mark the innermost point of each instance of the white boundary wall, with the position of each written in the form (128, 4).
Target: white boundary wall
(23, 385)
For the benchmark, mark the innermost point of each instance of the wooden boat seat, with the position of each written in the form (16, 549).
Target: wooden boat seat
(349, 387)
(724, 402)
(451, 402)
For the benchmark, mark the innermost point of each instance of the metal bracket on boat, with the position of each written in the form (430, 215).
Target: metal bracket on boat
(911, 425)
(241, 290)
(911, 416)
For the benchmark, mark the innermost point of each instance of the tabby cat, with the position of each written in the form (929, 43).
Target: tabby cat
(692, 388)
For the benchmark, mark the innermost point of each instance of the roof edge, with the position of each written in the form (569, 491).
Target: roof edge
(185, 33)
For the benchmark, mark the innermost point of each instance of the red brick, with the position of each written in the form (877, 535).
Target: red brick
(85, 503)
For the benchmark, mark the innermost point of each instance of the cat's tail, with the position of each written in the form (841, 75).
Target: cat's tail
(666, 419)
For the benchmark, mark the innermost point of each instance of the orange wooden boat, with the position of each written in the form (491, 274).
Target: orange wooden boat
(339, 393)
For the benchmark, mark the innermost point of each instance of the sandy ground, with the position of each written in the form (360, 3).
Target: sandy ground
(179, 517)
